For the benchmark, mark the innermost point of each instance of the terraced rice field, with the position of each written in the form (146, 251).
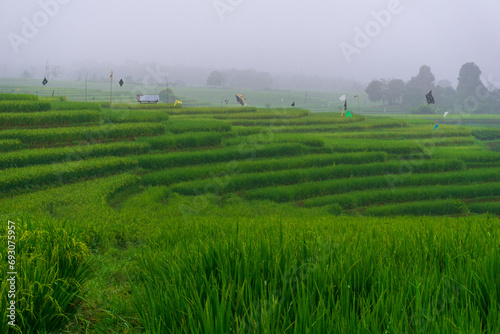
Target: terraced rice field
(197, 220)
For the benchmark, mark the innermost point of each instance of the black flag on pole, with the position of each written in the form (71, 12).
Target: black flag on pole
(45, 81)
(345, 105)
(293, 104)
(430, 98)
(121, 82)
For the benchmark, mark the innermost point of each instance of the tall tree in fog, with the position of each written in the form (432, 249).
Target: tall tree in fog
(445, 97)
(472, 93)
(418, 86)
(381, 90)
(395, 90)
(469, 82)
(376, 91)
(216, 79)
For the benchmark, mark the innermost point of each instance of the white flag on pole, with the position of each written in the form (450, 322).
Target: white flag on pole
(342, 98)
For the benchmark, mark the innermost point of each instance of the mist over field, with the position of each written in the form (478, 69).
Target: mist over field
(358, 41)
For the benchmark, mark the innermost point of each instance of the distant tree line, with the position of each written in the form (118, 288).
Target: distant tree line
(154, 75)
(471, 95)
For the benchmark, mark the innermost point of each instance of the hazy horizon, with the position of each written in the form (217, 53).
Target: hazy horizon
(357, 41)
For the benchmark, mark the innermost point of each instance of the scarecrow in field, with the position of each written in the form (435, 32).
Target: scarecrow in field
(430, 101)
(241, 100)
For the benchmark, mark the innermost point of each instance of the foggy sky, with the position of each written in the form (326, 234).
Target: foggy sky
(277, 36)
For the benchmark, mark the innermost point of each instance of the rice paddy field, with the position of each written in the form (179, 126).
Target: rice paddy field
(122, 218)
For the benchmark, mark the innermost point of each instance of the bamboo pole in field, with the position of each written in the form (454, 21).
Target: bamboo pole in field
(111, 88)
(86, 75)
(166, 81)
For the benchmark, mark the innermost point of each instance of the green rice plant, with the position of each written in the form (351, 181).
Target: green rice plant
(17, 97)
(494, 146)
(266, 137)
(53, 268)
(486, 207)
(307, 190)
(268, 114)
(7, 145)
(23, 106)
(184, 140)
(219, 170)
(118, 185)
(335, 125)
(52, 118)
(25, 158)
(318, 119)
(119, 105)
(35, 176)
(354, 199)
(243, 152)
(468, 154)
(145, 106)
(259, 180)
(332, 276)
(53, 136)
(449, 141)
(486, 133)
(76, 106)
(55, 98)
(423, 208)
(370, 145)
(246, 131)
(407, 132)
(290, 123)
(133, 116)
(211, 110)
(180, 126)
(398, 147)
(76, 203)
(482, 165)
(266, 271)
